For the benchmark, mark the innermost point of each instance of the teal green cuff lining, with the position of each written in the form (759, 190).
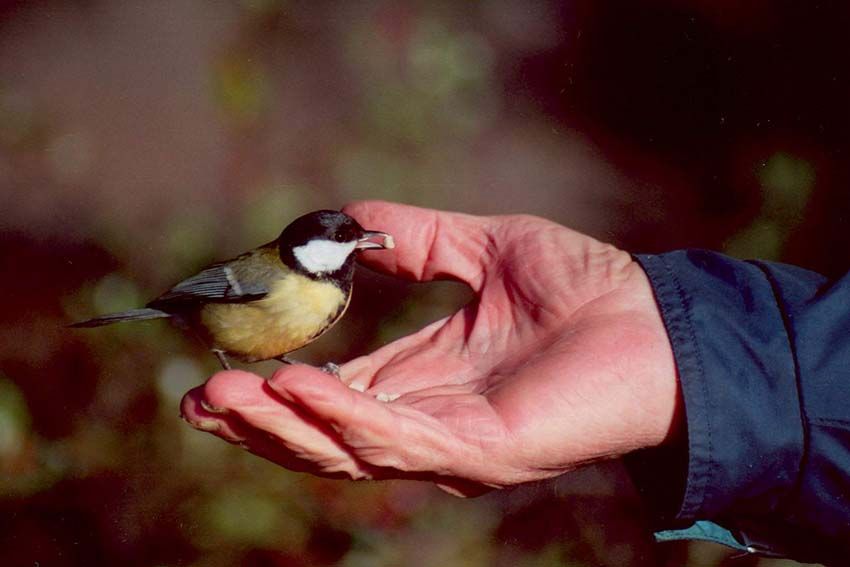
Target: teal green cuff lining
(704, 531)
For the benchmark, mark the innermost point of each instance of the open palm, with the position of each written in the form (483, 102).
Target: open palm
(560, 360)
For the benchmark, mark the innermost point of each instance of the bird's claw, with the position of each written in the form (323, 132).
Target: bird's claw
(330, 368)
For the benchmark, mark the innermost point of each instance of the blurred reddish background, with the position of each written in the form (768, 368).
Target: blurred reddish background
(140, 140)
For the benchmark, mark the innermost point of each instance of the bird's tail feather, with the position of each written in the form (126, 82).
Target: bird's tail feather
(131, 315)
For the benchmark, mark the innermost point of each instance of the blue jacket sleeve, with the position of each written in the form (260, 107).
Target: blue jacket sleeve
(763, 356)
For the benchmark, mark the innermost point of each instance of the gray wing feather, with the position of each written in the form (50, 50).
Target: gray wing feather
(218, 282)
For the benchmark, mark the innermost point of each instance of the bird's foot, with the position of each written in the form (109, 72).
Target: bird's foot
(330, 368)
(222, 358)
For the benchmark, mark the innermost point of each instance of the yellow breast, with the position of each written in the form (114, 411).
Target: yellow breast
(296, 311)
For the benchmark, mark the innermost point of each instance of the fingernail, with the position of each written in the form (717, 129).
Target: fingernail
(277, 384)
(274, 378)
(209, 425)
(213, 409)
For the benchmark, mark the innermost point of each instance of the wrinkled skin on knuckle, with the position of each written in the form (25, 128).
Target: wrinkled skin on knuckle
(610, 264)
(459, 241)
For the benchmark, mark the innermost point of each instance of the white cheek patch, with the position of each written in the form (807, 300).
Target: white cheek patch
(320, 256)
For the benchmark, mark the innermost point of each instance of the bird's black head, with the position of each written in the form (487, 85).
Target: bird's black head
(321, 244)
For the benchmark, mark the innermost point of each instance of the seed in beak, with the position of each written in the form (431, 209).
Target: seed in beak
(366, 243)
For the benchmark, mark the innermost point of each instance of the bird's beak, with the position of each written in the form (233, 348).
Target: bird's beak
(365, 242)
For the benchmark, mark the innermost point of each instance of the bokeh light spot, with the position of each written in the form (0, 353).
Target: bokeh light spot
(178, 375)
(115, 293)
(787, 182)
(14, 419)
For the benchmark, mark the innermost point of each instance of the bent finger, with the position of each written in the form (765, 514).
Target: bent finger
(380, 434)
(430, 244)
(271, 427)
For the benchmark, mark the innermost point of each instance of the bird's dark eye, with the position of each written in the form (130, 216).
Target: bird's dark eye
(339, 237)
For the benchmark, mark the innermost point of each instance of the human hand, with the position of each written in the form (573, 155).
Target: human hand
(561, 360)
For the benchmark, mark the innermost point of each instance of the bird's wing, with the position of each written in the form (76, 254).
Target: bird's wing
(225, 282)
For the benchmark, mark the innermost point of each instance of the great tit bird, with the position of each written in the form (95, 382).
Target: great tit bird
(271, 300)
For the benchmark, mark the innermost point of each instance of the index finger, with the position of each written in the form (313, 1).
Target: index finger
(430, 244)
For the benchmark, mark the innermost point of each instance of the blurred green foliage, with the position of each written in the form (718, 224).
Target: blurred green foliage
(14, 420)
(241, 89)
(786, 183)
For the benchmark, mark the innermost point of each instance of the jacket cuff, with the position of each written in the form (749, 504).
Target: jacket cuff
(745, 435)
